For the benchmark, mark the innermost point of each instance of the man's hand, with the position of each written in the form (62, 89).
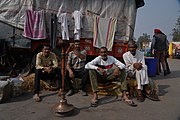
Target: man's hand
(48, 69)
(71, 47)
(102, 71)
(71, 74)
(116, 72)
(137, 66)
(77, 52)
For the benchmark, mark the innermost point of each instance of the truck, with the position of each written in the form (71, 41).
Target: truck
(21, 50)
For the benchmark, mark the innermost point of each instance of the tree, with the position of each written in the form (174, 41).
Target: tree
(176, 31)
(144, 39)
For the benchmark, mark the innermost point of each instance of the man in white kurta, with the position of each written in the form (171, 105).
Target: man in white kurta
(135, 63)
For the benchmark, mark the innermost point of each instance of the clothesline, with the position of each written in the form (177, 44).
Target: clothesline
(88, 12)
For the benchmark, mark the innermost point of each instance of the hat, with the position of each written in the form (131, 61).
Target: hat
(157, 31)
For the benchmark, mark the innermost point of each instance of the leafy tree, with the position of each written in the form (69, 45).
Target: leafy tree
(176, 31)
(145, 38)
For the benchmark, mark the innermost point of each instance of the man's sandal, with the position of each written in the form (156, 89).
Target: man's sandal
(36, 98)
(140, 98)
(152, 96)
(94, 103)
(129, 102)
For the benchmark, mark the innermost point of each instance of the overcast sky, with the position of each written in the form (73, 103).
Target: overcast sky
(160, 14)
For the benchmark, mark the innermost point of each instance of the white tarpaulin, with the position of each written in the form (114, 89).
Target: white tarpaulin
(13, 11)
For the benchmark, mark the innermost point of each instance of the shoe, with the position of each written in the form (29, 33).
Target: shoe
(84, 93)
(152, 96)
(140, 96)
(165, 72)
(71, 92)
(168, 72)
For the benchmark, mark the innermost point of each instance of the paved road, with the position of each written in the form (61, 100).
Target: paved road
(111, 108)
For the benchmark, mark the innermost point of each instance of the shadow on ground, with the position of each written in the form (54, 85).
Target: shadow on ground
(173, 74)
(162, 90)
(22, 97)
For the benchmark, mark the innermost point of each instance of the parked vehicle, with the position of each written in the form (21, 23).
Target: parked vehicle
(176, 49)
(177, 53)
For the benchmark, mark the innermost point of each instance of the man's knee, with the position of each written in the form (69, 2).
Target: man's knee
(38, 71)
(86, 72)
(92, 72)
(131, 75)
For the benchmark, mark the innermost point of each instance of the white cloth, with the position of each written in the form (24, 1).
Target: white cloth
(99, 61)
(77, 15)
(141, 75)
(62, 18)
(104, 31)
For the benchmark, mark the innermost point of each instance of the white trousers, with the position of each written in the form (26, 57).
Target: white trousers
(141, 78)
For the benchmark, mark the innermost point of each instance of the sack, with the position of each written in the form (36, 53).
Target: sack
(17, 89)
(5, 91)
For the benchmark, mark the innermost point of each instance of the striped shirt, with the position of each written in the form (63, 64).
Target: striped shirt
(75, 62)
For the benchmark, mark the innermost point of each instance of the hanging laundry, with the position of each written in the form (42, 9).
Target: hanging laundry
(2, 51)
(104, 31)
(62, 18)
(53, 31)
(77, 15)
(34, 27)
(2, 47)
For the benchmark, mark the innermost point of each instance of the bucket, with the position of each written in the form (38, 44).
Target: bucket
(151, 63)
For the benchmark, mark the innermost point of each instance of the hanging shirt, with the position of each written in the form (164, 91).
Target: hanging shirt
(62, 18)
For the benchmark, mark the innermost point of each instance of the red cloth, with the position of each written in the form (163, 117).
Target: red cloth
(109, 66)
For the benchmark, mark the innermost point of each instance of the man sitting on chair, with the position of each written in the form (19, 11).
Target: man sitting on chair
(135, 63)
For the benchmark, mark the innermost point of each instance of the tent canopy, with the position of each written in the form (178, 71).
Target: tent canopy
(13, 13)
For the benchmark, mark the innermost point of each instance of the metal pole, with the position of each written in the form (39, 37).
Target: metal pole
(63, 108)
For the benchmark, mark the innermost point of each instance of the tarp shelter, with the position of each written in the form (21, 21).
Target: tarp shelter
(12, 12)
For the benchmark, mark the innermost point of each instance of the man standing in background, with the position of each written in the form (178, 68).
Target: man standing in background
(158, 48)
